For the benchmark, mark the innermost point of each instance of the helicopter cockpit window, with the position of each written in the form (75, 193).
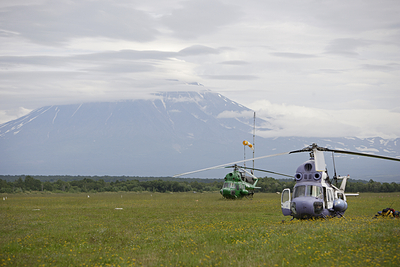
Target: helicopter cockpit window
(299, 191)
(314, 191)
(228, 185)
(308, 167)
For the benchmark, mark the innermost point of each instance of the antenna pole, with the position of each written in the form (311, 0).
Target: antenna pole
(254, 139)
(244, 156)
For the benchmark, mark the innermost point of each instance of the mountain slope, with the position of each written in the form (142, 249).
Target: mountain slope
(172, 133)
(138, 137)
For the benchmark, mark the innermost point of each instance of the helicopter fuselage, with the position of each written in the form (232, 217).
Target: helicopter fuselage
(313, 195)
(235, 187)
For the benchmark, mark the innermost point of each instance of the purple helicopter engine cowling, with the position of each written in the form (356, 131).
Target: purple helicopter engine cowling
(307, 173)
(339, 205)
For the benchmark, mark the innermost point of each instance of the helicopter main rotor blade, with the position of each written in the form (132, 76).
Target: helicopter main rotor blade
(291, 176)
(227, 164)
(314, 146)
(201, 170)
(358, 154)
(306, 149)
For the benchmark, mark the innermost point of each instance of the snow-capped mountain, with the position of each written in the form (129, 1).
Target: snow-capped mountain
(172, 133)
(140, 137)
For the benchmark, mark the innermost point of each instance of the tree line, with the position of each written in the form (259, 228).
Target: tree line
(89, 185)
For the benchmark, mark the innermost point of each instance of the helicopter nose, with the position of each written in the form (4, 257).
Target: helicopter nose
(302, 207)
(227, 192)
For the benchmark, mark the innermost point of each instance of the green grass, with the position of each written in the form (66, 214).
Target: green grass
(186, 229)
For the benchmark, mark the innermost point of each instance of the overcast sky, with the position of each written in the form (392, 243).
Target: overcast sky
(315, 68)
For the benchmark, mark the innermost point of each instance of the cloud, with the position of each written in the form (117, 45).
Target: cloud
(293, 120)
(228, 114)
(238, 77)
(12, 114)
(36, 61)
(292, 55)
(383, 68)
(234, 62)
(126, 54)
(200, 17)
(335, 16)
(305, 57)
(110, 61)
(197, 50)
(122, 67)
(56, 22)
(346, 46)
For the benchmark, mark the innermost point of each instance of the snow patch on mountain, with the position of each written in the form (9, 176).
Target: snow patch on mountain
(55, 115)
(76, 110)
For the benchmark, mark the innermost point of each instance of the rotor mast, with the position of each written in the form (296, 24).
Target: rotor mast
(246, 143)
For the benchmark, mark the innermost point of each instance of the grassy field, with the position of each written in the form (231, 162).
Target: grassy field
(187, 229)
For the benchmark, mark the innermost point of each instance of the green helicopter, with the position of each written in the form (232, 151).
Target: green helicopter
(238, 185)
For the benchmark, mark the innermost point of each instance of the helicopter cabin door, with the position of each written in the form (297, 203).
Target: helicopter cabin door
(329, 198)
(285, 202)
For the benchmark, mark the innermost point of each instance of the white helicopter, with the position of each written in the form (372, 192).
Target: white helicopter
(314, 195)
